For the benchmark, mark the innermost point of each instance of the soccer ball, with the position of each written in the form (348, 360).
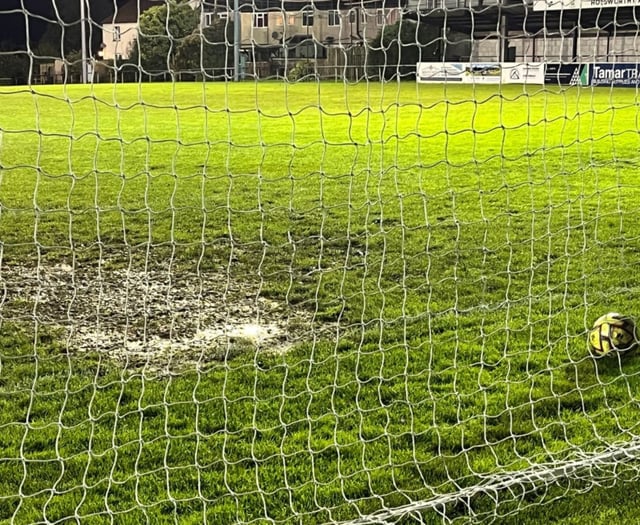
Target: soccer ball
(612, 333)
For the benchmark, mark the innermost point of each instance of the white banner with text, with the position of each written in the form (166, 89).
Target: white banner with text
(557, 5)
(481, 72)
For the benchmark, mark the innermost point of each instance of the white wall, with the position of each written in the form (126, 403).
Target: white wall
(620, 48)
(486, 49)
(590, 47)
(128, 33)
(625, 48)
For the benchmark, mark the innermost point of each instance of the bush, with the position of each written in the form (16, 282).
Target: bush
(303, 70)
(394, 52)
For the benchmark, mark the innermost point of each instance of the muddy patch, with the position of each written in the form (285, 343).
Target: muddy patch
(159, 319)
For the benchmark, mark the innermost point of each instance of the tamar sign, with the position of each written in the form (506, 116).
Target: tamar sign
(626, 75)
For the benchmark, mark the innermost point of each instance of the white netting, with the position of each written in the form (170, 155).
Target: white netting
(331, 262)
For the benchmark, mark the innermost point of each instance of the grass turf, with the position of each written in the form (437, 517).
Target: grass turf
(459, 239)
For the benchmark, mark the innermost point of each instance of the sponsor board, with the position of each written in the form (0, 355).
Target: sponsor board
(599, 74)
(440, 72)
(567, 74)
(523, 73)
(556, 5)
(480, 72)
(463, 72)
(607, 74)
(483, 73)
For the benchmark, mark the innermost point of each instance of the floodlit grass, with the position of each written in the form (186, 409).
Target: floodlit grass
(460, 240)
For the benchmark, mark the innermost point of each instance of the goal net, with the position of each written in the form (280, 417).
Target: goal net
(317, 262)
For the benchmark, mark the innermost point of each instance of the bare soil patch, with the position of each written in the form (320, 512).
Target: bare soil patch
(159, 319)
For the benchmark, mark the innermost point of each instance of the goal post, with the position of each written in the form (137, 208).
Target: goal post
(283, 262)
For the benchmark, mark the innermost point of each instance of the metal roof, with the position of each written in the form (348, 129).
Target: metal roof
(521, 18)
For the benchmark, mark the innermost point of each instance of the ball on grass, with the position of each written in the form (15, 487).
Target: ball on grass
(612, 334)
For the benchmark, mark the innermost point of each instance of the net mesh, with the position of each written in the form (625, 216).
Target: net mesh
(325, 293)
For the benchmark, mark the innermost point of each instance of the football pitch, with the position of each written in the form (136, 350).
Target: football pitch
(425, 262)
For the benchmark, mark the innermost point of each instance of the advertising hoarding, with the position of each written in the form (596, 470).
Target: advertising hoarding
(523, 73)
(557, 5)
(480, 72)
(439, 72)
(567, 74)
(483, 73)
(599, 74)
(621, 74)
(463, 72)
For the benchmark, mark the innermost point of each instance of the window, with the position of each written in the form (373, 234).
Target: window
(292, 20)
(354, 13)
(307, 18)
(260, 20)
(116, 33)
(380, 18)
(208, 19)
(307, 49)
(223, 16)
(334, 18)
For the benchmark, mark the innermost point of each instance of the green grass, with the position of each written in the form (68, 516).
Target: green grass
(460, 238)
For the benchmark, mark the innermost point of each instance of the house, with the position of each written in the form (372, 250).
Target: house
(330, 23)
(120, 30)
(276, 34)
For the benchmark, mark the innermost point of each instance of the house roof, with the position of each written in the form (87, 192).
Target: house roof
(129, 12)
(298, 5)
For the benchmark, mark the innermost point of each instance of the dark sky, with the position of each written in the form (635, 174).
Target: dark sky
(12, 25)
(14, 20)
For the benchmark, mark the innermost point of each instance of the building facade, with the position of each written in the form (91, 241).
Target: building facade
(275, 35)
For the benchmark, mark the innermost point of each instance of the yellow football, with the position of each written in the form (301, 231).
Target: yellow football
(612, 333)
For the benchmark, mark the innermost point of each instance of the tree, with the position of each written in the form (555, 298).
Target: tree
(209, 49)
(398, 47)
(14, 64)
(162, 30)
